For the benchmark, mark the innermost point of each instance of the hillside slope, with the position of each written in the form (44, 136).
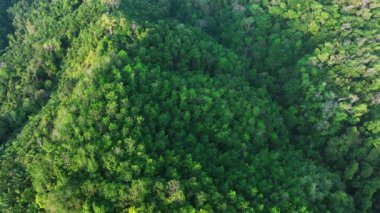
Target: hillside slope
(213, 106)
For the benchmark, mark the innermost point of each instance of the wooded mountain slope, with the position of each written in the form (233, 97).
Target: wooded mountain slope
(189, 106)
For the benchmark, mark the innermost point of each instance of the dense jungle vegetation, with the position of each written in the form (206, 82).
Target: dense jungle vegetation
(189, 106)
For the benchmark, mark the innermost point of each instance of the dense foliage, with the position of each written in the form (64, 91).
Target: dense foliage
(189, 106)
(5, 22)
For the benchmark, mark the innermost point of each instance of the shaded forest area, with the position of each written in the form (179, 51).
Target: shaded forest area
(189, 106)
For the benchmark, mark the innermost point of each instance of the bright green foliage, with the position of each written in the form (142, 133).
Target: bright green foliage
(189, 106)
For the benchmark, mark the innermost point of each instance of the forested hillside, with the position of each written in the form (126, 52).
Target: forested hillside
(190, 106)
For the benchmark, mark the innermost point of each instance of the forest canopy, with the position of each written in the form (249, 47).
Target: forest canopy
(189, 106)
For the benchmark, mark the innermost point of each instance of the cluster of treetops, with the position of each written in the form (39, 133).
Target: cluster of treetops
(189, 106)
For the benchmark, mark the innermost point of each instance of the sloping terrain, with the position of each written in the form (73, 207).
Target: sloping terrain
(187, 106)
